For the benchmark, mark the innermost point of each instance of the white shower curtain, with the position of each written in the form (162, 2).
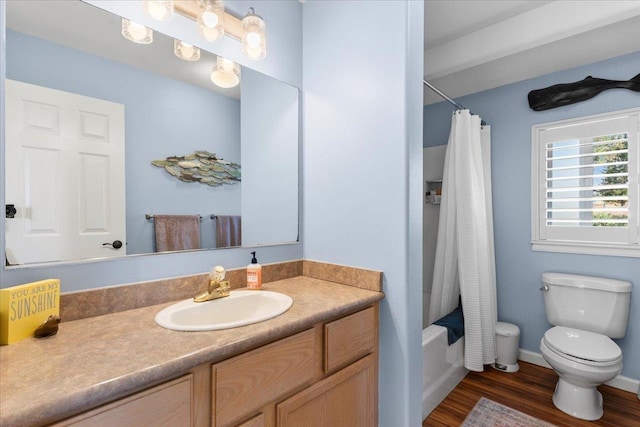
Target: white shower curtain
(465, 258)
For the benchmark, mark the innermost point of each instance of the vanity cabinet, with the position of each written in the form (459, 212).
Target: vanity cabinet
(323, 376)
(347, 397)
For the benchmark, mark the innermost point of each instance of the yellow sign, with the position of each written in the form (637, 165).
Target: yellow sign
(23, 308)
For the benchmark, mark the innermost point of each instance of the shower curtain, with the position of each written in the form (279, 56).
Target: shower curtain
(465, 259)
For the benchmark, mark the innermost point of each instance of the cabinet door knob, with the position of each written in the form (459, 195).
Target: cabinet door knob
(116, 244)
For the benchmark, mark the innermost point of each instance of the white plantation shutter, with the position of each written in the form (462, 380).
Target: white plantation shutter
(585, 184)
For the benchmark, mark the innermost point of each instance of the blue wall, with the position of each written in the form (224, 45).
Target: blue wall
(363, 168)
(163, 117)
(269, 159)
(519, 269)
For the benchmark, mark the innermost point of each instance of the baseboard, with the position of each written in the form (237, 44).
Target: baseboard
(533, 358)
(620, 382)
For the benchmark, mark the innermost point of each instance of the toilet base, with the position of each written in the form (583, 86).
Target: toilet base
(580, 402)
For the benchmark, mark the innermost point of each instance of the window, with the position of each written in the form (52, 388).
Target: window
(585, 185)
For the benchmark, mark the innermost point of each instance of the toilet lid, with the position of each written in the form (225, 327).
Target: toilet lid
(582, 344)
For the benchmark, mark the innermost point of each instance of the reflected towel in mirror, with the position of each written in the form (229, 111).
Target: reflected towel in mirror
(177, 232)
(228, 231)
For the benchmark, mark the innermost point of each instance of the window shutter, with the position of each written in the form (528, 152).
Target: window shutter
(585, 183)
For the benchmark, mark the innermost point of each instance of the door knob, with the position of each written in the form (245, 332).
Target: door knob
(11, 211)
(117, 244)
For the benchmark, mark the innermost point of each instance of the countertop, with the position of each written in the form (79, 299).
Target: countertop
(96, 360)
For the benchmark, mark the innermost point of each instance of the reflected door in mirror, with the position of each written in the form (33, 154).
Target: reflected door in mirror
(65, 175)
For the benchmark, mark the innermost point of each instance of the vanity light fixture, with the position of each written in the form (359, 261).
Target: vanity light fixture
(136, 33)
(226, 73)
(254, 40)
(212, 23)
(161, 10)
(210, 19)
(185, 51)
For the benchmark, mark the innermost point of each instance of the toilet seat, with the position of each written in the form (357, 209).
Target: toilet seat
(583, 347)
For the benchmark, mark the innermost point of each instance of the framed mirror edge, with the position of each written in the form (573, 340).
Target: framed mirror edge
(89, 274)
(70, 263)
(17, 274)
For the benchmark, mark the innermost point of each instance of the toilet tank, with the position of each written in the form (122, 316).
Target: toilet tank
(593, 304)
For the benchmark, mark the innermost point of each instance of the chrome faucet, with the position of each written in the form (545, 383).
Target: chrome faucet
(218, 288)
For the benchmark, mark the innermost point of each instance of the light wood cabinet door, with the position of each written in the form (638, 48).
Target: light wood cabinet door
(169, 404)
(348, 339)
(245, 383)
(345, 399)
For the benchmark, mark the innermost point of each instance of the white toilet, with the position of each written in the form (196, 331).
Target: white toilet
(587, 312)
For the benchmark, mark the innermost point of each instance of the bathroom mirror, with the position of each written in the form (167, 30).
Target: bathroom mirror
(166, 107)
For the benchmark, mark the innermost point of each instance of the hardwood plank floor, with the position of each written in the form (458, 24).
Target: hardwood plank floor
(529, 390)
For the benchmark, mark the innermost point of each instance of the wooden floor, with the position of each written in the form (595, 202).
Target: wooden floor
(529, 390)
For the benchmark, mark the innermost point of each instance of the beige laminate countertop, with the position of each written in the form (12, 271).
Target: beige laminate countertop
(96, 360)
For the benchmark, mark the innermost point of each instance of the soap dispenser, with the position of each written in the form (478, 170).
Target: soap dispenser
(254, 274)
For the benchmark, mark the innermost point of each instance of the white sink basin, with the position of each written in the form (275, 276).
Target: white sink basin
(240, 308)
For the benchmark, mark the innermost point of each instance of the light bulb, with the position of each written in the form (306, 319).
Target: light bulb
(254, 36)
(136, 33)
(254, 39)
(161, 10)
(210, 34)
(226, 65)
(186, 51)
(254, 52)
(226, 74)
(209, 18)
(210, 21)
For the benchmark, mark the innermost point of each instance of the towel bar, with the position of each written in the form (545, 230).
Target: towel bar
(149, 216)
(214, 216)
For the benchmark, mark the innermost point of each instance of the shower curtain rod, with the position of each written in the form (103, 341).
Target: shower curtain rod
(444, 95)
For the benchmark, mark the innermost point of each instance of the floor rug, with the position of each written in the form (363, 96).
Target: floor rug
(488, 413)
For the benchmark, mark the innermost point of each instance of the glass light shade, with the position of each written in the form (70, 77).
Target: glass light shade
(185, 51)
(254, 36)
(136, 33)
(210, 20)
(226, 73)
(161, 10)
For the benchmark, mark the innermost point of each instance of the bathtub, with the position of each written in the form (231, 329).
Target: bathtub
(442, 366)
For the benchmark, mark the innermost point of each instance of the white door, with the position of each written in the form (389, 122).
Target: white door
(64, 174)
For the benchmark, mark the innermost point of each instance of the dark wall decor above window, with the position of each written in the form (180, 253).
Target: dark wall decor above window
(570, 93)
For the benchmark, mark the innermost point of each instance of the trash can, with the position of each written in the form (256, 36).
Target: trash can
(507, 346)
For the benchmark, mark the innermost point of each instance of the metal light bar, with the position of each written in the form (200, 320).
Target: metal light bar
(190, 9)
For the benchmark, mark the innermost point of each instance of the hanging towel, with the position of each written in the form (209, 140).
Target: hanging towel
(228, 231)
(454, 322)
(177, 232)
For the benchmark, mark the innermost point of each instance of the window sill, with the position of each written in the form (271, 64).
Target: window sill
(586, 248)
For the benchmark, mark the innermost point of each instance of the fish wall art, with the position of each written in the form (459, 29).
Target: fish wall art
(569, 93)
(203, 167)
